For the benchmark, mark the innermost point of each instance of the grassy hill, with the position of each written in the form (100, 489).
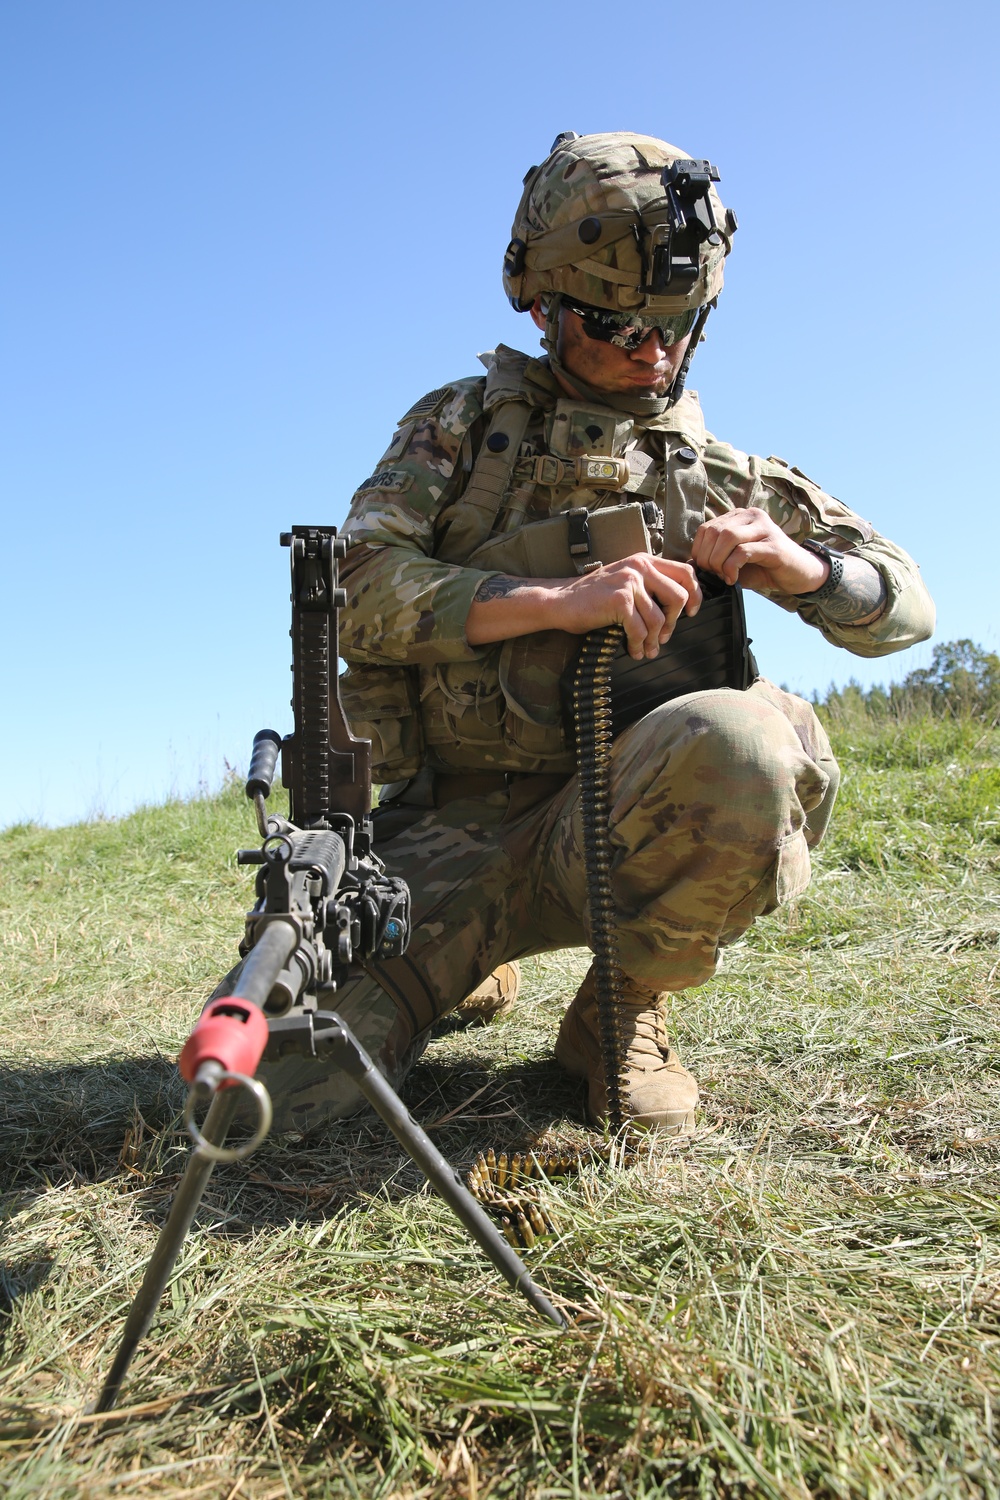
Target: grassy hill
(805, 1300)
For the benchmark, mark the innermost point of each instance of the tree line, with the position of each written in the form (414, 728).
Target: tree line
(962, 681)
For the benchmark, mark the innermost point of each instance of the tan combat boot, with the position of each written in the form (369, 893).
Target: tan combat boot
(658, 1092)
(495, 997)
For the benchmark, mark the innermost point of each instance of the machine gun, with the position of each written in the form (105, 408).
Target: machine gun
(325, 903)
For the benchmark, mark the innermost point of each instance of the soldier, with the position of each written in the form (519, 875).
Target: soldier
(511, 514)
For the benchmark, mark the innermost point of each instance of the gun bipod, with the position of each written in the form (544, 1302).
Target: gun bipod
(316, 1033)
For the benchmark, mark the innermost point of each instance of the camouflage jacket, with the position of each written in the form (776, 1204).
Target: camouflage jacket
(416, 686)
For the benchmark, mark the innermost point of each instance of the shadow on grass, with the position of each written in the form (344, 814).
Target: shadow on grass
(78, 1121)
(18, 1278)
(119, 1119)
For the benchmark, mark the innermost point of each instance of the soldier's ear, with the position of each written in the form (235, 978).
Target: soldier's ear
(538, 313)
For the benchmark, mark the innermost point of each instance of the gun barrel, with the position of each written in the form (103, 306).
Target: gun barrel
(265, 961)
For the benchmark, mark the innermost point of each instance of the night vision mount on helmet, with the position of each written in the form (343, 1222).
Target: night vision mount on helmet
(624, 223)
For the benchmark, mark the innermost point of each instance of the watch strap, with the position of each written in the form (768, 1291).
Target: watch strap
(835, 576)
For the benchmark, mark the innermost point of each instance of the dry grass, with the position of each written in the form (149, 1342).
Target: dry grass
(803, 1301)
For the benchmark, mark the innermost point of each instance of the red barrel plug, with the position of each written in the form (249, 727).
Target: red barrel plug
(232, 1032)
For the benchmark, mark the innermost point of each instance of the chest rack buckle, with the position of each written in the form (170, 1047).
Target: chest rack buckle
(600, 473)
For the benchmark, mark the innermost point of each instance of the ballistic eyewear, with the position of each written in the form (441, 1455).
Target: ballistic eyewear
(627, 330)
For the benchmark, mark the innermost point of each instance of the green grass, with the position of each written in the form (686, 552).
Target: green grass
(805, 1300)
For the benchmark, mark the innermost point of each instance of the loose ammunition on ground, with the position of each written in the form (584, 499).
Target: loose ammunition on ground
(540, 1221)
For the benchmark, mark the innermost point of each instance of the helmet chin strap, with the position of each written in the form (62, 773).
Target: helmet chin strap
(633, 406)
(680, 379)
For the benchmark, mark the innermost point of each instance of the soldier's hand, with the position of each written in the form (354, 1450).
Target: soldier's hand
(747, 546)
(645, 594)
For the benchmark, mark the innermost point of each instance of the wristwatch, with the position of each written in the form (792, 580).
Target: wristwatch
(836, 572)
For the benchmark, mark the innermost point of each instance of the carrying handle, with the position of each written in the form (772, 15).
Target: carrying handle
(263, 759)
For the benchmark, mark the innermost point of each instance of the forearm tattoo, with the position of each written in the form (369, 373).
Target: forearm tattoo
(860, 593)
(497, 587)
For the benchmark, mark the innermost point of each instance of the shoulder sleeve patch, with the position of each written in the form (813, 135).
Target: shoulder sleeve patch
(389, 481)
(427, 404)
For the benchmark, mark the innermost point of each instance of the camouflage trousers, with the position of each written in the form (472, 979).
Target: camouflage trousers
(716, 799)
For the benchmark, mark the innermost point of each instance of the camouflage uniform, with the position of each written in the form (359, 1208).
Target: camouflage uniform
(717, 796)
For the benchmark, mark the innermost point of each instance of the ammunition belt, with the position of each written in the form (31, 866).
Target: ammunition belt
(604, 692)
(592, 724)
(494, 1179)
(507, 1185)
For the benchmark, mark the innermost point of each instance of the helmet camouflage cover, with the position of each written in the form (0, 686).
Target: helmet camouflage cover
(622, 222)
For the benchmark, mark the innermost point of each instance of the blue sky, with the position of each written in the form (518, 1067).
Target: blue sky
(238, 240)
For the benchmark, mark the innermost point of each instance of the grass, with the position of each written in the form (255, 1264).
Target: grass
(803, 1301)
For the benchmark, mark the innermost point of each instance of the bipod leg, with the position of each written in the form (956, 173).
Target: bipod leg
(168, 1245)
(337, 1037)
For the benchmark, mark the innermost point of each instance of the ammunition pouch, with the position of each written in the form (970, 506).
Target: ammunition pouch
(572, 542)
(381, 705)
(501, 711)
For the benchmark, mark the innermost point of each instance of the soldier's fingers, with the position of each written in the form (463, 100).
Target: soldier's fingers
(711, 548)
(736, 559)
(664, 567)
(759, 553)
(730, 548)
(683, 575)
(673, 598)
(715, 539)
(700, 546)
(643, 620)
(714, 551)
(648, 596)
(673, 583)
(657, 621)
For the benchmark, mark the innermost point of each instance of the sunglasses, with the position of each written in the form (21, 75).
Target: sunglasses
(627, 330)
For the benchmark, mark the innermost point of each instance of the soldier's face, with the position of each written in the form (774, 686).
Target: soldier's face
(648, 370)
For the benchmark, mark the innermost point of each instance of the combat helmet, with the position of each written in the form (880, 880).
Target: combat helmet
(624, 223)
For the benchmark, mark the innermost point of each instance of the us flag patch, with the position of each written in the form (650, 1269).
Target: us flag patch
(428, 403)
